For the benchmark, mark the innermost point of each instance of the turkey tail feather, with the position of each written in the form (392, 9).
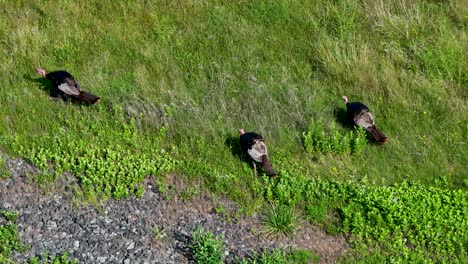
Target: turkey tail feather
(89, 98)
(378, 135)
(267, 167)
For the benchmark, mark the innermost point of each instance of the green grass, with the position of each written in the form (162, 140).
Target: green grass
(4, 173)
(280, 220)
(177, 79)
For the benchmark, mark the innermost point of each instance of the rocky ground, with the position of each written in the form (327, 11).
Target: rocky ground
(150, 229)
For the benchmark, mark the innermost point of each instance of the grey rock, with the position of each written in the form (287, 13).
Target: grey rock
(131, 246)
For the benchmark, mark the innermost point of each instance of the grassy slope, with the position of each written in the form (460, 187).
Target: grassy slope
(203, 69)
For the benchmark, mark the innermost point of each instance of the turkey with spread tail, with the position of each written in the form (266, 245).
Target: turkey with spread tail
(68, 87)
(254, 145)
(361, 116)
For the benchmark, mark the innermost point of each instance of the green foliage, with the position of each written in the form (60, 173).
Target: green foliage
(280, 220)
(317, 212)
(112, 164)
(431, 220)
(60, 259)
(408, 220)
(9, 237)
(4, 173)
(206, 248)
(283, 256)
(10, 215)
(320, 138)
(303, 256)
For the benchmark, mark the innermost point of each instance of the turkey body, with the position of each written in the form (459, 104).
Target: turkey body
(361, 116)
(254, 145)
(68, 87)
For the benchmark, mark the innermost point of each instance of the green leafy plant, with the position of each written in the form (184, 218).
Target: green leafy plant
(283, 256)
(407, 221)
(10, 215)
(9, 237)
(58, 259)
(207, 248)
(320, 138)
(103, 169)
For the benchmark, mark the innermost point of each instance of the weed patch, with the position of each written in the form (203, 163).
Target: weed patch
(206, 248)
(407, 221)
(112, 164)
(58, 259)
(283, 256)
(323, 139)
(4, 173)
(9, 238)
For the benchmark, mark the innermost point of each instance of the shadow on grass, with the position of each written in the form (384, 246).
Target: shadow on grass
(45, 86)
(341, 116)
(232, 142)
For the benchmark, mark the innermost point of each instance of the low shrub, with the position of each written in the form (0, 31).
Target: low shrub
(10, 240)
(206, 248)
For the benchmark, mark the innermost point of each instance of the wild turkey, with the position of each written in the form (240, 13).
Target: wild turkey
(361, 116)
(254, 145)
(68, 87)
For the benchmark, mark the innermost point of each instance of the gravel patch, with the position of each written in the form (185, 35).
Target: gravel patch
(150, 229)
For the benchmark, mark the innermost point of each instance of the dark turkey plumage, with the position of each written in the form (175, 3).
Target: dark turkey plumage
(361, 116)
(254, 145)
(68, 87)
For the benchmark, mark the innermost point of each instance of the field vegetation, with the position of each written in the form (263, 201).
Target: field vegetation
(178, 78)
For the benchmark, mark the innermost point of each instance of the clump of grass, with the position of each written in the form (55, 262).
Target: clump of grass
(280, 220)
(4, 173)
(206, 248)
(320, 138)
(158, 233)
